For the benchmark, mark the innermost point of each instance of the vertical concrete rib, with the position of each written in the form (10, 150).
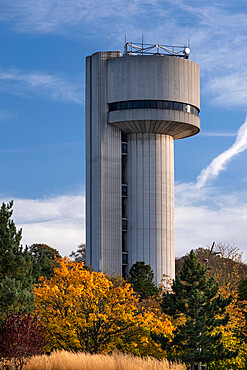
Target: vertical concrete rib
(150, 202)
(103, 158)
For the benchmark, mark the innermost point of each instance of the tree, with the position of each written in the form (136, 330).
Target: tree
(21, 336)
(226, 265)
(195, 301)
(242, 290)
(80, 254)
(84, 311)
(45, 259)
(141, 279)
(16, 267)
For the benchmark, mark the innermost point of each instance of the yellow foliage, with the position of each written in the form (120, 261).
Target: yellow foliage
(231, 333)
(84, 310)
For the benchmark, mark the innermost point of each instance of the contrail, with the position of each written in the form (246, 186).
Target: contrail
(220, 162)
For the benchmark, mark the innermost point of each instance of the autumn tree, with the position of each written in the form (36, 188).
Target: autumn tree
(141, 278)
(225, 264)
(84, 311)
(228, 275)
(16, 267)
(242, 289)
(21, 336)
(201, 310)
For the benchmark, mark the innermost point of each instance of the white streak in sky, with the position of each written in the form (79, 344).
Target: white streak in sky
(219, 163)
(218, 134)
(28, 84)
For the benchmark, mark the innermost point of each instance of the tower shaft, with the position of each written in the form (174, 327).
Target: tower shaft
(150, 178)
(135, 107)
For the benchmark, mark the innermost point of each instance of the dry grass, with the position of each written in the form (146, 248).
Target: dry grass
(80, 361)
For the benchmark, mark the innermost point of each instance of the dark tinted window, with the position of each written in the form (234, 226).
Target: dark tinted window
(124, 148)
(165, 104)
(125, 259)
(124, 190)
(159, 104)
(170, 105)
(124, 242)
(154, 104)
(124, 224)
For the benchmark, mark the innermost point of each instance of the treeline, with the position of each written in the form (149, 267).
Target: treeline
(49, 302)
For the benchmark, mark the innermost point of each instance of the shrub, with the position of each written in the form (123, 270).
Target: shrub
(21, 336)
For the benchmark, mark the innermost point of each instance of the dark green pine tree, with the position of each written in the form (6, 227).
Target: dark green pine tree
(141, 278)
(196, 302)
(16, 267)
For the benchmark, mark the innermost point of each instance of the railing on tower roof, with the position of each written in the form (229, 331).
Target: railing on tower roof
(156, 49)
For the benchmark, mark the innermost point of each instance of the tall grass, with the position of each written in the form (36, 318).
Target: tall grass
(80, 361)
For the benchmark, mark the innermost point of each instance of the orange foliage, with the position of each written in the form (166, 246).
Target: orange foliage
(84, 310)
(231, 333)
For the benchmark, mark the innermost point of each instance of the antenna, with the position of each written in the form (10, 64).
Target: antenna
(156, 49)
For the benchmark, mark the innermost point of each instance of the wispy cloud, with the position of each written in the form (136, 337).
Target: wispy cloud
(41, 148)
(217, 32)
(219, 163)
(52, 16)
(5, 115)
(218, 134)
(15, 81)
(204, 215)
(56, 221)
(230, 89)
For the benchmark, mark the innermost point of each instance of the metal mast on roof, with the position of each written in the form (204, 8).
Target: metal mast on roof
(131, 48)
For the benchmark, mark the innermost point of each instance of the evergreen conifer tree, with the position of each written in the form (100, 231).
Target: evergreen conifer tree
(141, 278)
(44, 260)
(16, 267)
(200, 310)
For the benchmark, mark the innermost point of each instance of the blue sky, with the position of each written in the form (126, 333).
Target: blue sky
(42, 67)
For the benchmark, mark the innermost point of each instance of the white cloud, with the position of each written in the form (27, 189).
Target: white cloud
(217, 33)
(52, 16)
(26, 84)
(218, 134)
(230, 89)
(202, 215)
(219, 163)
(205, 215)
(57, 221)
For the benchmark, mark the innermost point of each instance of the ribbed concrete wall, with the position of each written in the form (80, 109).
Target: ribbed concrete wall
(103, 172)
(150, 168)
(150, 174)
(153, 77)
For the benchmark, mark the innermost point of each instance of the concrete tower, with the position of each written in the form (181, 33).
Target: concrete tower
(136, 106)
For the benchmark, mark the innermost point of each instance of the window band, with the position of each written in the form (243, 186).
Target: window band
(153, 104)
